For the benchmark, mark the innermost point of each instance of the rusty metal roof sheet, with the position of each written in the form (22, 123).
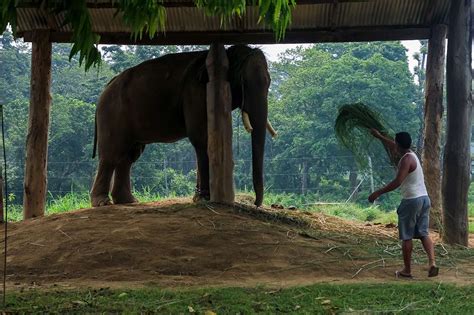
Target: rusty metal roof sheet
(329, 18)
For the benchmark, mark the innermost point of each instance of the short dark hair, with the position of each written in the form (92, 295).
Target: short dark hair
(403, 139)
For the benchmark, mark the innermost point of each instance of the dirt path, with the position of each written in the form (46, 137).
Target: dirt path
(178, 243)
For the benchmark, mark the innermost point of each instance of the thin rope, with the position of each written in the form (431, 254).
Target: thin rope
(6, 210)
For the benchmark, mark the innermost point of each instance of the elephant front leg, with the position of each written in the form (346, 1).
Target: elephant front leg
(121, 191)
(100, 189)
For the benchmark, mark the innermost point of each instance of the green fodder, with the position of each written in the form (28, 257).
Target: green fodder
(352, 128)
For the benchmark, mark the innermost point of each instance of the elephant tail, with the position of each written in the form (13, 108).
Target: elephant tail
(95, 136)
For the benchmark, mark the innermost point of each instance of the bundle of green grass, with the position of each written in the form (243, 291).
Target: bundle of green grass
(353, 130)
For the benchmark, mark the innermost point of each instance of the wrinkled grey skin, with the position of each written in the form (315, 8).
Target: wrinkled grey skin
(164, 100)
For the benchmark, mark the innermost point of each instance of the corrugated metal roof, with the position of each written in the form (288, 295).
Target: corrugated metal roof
(310, 16)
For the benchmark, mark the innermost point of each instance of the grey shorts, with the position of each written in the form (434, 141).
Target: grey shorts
(414, 218)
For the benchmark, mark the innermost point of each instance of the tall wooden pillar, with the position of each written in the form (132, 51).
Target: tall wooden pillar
(219, 126)
(457, 158)
(432, 121)
(34, 197)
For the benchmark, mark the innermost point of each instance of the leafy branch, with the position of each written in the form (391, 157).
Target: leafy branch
(8, 15)
(275, 13)
(147, 16)
(143, 15)
(85, 41)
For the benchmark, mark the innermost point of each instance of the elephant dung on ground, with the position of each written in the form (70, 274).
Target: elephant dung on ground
(164, 100)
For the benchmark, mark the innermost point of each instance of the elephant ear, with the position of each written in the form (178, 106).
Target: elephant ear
(238, 56)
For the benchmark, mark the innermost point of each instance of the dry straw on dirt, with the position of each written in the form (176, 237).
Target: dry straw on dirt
(180, 243)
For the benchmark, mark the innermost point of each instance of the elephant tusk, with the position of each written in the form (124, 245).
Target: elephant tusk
(271, 130)
(246, 121)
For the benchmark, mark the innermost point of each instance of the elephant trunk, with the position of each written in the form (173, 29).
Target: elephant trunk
(258, 120)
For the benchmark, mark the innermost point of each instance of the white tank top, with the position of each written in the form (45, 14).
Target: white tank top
(413, 186)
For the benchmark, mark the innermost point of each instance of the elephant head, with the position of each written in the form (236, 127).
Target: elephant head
(250, 80)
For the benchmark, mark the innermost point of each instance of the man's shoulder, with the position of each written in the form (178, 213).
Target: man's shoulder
(408, 158)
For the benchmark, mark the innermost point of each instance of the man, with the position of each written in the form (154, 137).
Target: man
(413, 211)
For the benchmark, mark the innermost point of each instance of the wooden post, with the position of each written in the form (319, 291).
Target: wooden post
(432, 121)
(37, 140)
(219, 126)
(457, 158)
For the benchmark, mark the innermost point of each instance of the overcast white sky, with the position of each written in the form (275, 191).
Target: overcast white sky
(272, 51)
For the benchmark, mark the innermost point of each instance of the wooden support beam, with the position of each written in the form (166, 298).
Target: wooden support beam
(431, 156)
(219, 126)
(37, 140)
(356, 34)
(457, 157)
(175, 4)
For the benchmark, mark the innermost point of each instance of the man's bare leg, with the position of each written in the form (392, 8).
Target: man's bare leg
(429, 249)
(407, 248)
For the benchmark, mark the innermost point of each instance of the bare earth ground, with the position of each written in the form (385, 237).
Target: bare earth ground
(178, 243)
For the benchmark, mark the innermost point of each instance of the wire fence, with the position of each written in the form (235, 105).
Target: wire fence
(332, 178)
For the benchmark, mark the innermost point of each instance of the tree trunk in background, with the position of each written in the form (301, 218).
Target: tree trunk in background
(422, 89)
(353, 182)
(304, 177)
(2, 213)
(34, 198)
(219, 126)
(457, 158)
(433, 123)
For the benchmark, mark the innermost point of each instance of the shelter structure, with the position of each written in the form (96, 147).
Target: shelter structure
(312, 21)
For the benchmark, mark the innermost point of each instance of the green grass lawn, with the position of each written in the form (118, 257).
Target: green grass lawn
(403, 297)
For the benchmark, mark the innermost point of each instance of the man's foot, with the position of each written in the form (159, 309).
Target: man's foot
(433, 271)
(402, 274)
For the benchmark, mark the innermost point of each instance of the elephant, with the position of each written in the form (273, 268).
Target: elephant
(164, 100)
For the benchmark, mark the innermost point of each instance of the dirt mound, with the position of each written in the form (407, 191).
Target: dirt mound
(177, 242)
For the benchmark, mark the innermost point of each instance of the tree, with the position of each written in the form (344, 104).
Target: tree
(15, 59)
(320, 79)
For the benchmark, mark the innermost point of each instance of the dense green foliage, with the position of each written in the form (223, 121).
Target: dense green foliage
(305, 160)
(386, 298)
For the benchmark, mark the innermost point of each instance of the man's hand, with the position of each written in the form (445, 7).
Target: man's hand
(374, 196)
(375, 133)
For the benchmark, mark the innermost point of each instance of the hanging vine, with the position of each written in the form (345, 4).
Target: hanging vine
(146, 16)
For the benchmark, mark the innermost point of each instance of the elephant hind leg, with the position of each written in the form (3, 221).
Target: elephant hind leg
(122, 188)
(202, 187)
(101, 187)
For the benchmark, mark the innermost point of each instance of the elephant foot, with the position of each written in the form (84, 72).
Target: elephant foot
(124, 199)
(100, 201)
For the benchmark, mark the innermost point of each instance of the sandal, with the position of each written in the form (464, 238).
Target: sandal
(433, 271)
(399, 274)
